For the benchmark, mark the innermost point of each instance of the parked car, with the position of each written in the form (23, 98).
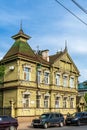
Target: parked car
(49, 119)
(8, 123)
(76, 118)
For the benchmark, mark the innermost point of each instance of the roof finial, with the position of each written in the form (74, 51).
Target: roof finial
(65, 45)
(21, 25)
(21, 30)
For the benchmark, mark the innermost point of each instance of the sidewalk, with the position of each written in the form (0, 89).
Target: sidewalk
(24, 126)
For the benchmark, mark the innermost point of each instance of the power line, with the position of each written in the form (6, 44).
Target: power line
(85, 11)
(71, 12)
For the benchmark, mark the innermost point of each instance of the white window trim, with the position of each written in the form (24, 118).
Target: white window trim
(48, 77)
(46, 100)
(72, 77)
(59, 78)
(23, 100)
(28, 72)
(65, 75)
(38, 76)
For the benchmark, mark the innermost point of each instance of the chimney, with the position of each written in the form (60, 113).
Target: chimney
(45, 55)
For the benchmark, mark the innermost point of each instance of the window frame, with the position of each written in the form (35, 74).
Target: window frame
(25, 99)
(26, 73)
(65, 80)
(72, 82)
(71, 102)
(57, 79)
(46, 77)
(58, 102)
(38, 76)
(46, 101)
(65, 102)
(38, 101)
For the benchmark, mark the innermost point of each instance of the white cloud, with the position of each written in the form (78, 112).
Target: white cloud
(83, 76)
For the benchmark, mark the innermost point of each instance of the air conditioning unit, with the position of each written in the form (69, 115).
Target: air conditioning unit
(11, 68)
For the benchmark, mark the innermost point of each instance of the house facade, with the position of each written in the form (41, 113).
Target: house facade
(35, 82)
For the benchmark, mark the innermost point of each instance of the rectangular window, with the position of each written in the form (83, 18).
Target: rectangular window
(38, 97)
(25, 100)
(64, 103)
(46, 78)
(71, 103)
(26, 73)
(65, 81)
(57, 79)
(71, 82)
(57, 102)
(39, 77)
(46, 103)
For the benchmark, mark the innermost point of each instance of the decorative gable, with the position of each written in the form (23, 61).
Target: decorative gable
(65, 63)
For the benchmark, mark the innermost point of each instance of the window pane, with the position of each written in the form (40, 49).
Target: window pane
(46, 102)
(64, 81)
(64, 103)
(71, 82)
(57, 103)
(38, 101)
(26, 73)
(71, 103)
(57, 79)
(46, 77)
(39, 76)
(26, 100)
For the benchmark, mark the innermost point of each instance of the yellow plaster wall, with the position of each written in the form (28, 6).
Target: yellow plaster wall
(9, 95)
(11, 74)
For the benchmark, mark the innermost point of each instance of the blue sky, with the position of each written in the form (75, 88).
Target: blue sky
(49, 25)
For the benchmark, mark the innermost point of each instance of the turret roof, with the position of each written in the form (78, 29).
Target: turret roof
(20, 47)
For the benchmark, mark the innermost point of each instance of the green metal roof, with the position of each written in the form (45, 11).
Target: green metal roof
(20, 47)
(82, 86)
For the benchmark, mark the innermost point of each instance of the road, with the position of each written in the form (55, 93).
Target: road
(83, 127)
